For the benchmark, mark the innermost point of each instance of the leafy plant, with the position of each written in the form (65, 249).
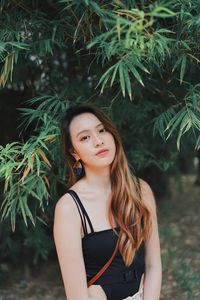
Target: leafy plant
(138, 61)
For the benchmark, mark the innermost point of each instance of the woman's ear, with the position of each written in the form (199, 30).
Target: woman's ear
(74, 154)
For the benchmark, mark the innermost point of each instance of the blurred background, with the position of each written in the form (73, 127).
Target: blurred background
(139, 62)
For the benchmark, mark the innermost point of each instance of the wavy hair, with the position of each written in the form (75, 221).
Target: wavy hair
(127, 207)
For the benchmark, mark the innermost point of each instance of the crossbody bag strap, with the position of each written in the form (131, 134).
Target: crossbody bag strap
(93, 279)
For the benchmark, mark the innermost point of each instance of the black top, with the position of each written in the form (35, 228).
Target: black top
(118, 281)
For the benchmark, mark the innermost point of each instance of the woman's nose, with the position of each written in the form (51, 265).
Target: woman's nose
(97, 140)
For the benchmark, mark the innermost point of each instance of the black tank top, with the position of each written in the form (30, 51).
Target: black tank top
(118, 281)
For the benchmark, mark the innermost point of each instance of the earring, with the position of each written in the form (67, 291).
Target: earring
(77, 167)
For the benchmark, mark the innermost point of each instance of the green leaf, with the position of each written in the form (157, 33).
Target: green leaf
(183, 66)
(114, 74)
(121, 78)
(175, 121)
(162, 12)
(104, 78)
(136, 74)
(128, 82)
(22, 209)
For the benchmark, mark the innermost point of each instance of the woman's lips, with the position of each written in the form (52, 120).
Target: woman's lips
(102, 153)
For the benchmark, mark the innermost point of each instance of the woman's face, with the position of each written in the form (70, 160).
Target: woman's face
(88, 137)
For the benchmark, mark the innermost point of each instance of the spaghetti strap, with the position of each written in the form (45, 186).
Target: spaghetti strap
(83, 220)
(82, 211)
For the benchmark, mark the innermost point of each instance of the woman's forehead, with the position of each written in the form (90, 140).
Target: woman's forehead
(84, 121)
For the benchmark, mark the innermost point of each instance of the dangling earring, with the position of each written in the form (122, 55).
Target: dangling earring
(77, 167)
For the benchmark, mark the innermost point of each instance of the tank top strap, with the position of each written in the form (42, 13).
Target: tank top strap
(82, 211)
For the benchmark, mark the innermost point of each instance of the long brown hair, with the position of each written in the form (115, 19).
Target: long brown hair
(126, 207)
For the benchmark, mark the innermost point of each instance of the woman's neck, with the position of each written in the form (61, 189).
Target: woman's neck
(98, 179)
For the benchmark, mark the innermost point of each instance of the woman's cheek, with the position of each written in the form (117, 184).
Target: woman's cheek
(85, 152)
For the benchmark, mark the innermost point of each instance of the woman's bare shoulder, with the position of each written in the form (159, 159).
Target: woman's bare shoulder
(144, 185)
(66, 209)
(147, 193)
(65, 203)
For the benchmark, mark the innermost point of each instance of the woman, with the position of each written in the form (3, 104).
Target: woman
(103, 205)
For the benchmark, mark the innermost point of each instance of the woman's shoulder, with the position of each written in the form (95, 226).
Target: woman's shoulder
(65, 203)
(66, 206)
(147, 193)
(145, 186)
(66, 214)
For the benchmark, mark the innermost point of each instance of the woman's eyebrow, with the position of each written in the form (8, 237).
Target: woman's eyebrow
(88, 129)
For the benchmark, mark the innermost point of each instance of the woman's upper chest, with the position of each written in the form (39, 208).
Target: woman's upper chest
(96, 206)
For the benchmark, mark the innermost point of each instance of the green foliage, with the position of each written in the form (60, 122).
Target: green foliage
(33, 243)
(25, 167)
(139, 61)
(187, 118)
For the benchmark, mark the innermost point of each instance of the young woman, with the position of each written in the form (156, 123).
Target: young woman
(104, 204)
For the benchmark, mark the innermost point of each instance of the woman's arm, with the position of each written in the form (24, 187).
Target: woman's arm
(153, 273)
(67, 237)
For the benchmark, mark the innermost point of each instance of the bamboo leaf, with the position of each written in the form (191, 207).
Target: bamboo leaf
(197, 146)
(21, 205)
(78, 27)
(175, 121)
(121, 78)
(26, 172)
(45, 159)
(28, 212)
(141, 66)
(162, 12)
(118, 29)
(183, 66)
(104, 78)
(136, 74)
(128, 82)
(114, 74)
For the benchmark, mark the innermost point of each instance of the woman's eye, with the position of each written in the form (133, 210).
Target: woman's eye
(84, 138)
(103, 130)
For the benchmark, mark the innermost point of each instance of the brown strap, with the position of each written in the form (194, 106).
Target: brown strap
(93, 279)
